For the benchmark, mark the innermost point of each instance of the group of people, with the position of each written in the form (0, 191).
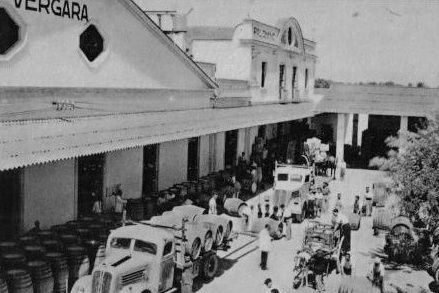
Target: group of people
(364, 207)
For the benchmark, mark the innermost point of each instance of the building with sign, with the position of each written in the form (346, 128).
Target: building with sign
(86, 107)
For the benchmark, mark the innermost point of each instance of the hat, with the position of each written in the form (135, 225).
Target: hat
(377, 260)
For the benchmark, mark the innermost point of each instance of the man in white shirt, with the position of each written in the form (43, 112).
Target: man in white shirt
(212, 204)
(376, 275)
(369, 200)
(265, 245)
(341, 222)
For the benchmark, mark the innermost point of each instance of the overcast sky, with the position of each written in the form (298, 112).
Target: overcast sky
(357, 40)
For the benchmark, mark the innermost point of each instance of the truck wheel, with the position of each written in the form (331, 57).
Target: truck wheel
(208, 241)
(210, 266)
(219, 236)
(196, 248)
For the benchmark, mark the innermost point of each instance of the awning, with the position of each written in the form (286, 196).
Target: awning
(33, 142)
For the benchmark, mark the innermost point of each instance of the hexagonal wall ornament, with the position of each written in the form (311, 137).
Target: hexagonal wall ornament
(9, 32)
(91, 43)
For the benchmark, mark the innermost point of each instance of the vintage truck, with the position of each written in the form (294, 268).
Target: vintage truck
(291, 188)
(147, 258)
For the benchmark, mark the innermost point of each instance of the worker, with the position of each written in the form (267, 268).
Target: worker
(212, 204)
(267, 210)
(259, 211)
(376, 275)
(369, 202)
(35, 229)
(357, 205)
(274, 214)
(341, 223)
(269, 285)
(265, 245)
(97, 204)
(338, 202)
(120, 202)
(326, 192)
(346, 266)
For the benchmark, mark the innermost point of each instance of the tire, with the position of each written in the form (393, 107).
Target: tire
(436, 276)
(210, 266)
(219, 236)
(208, 241)
(196, 248)
(228, 230)
(401, 225)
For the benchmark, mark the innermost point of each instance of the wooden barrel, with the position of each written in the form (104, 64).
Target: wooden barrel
(135, 209)
(52, 245)
(12, 260)
(249, 185)
(191, 188)
(59, 229)
(19, 281)
(41, 275)
(381, 219)
(355, 284)
(60, 270)
(28, 240)
(9, 246)
(354, 221)
(380, 194)
(3, 286)
(45, 234)
(235, 207)
(401, 225)
(34, 252)
(68, 239)
(78, 262)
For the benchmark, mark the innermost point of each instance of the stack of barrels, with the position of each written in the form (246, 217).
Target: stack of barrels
(52, 260)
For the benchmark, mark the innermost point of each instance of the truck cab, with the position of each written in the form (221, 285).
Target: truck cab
(138, 258)
(291, 188)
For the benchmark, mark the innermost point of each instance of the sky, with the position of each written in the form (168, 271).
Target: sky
(357, 40)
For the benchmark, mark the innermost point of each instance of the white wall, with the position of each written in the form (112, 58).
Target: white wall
(219, 150)
(125, 167)
(204, 155)
(135, 57)
(172, 163)
(49, 193)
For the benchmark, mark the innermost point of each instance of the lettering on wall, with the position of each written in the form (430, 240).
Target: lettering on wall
(265, 34)
(61, 8)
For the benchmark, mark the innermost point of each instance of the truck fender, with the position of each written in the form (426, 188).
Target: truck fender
(83, 283)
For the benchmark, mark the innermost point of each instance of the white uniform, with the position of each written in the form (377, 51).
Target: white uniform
(265, 240)
(212, 206)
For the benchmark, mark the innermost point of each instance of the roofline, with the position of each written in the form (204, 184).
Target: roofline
(134, 8)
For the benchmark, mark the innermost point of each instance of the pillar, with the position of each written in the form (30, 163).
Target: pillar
(404, 123)
(342, 121)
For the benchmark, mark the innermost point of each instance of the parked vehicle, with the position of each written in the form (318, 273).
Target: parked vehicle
(291, 188)
(149, 257)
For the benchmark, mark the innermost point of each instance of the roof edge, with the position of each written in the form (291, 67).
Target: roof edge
(137, 11)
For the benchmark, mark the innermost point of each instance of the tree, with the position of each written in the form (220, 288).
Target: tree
(413, 165)
(322, 83)
(420, 84)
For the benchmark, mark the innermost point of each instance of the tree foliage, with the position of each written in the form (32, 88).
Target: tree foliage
(322, 83)
(413, 165)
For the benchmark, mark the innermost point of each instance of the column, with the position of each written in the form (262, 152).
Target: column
(342, 120)
(404, 123)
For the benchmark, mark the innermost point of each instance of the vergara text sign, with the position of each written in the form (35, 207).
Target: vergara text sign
(61, 8)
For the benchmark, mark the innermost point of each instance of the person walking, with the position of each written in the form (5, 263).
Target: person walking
(120, 203)
(265, 245)
(369, 201)
(341, 223)
(326, 192)
(357, 205)
(338, 202)
(212, 204)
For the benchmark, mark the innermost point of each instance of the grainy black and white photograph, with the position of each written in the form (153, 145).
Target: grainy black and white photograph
(219, 146)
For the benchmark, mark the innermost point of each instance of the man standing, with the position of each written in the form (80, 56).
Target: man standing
(212, 204)
(265, 245)
(368, 198)
(341, 223)
(376, 275)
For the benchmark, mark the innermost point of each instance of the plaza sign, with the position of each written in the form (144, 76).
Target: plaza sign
(61, 8)
(265, 33)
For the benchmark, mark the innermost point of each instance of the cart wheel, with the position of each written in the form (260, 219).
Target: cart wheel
(210, 266)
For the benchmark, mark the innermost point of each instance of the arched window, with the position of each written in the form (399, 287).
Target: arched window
(290, 36)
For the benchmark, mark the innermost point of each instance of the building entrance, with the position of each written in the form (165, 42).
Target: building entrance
(150, 169)
(193, 159)
(10, 209)
(231, 146)
(90, 181)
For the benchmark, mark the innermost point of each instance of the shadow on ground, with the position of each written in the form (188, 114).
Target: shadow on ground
(224, 265)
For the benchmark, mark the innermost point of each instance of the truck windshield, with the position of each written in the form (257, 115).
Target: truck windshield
(120, 243)
(282, 177)
(296, 178)
(142, 246)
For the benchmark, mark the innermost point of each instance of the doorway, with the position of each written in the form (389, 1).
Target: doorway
(150, 169)
(294, 82)
(231, 148)
(281, 80)
(10, 209)
(90, 180)
(193, 159)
